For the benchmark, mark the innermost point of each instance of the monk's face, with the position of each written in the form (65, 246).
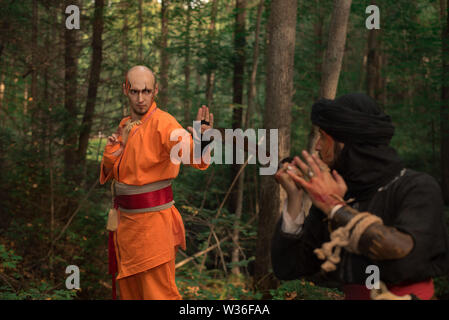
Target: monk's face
(328, 148)
(140, 88)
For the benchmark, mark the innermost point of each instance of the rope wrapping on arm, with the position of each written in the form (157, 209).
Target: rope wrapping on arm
(345, 237)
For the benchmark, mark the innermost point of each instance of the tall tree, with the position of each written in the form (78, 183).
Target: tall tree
(125, 44)
(140, 18)
(333, 58)
(94, 78)
(163, 94)
(318, 33)
(70, 98)
(237, 118)
(335, 48)
(252, 88)
(444, 110)
(211, 56)
(278, 103)
(374, 80)
(187, 98)
(34, 66)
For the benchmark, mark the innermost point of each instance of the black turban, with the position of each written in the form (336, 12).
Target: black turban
(353, 118)
(366, 162)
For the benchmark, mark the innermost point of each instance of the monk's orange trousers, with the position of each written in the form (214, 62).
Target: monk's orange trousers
(154, 284)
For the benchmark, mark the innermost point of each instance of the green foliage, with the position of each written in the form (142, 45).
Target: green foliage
(213, 285)
(304, 290)
(9, 259)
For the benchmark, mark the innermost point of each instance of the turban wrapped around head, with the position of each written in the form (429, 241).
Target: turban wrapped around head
(366, 162)
(353, 118)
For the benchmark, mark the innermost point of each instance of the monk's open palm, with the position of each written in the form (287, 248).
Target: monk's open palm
(206, 118)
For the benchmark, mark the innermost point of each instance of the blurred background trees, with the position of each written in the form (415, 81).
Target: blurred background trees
(60, 96)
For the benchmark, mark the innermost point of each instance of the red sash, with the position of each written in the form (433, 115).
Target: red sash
(424, 290)
(136, 201)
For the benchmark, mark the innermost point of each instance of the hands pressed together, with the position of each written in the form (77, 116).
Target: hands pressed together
(325, 188)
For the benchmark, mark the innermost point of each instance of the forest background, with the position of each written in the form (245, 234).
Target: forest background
(255, 63)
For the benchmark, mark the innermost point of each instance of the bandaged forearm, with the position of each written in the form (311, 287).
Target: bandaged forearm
(377, 241)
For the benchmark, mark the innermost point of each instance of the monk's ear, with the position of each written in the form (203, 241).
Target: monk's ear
(156, 89)
(125, 90)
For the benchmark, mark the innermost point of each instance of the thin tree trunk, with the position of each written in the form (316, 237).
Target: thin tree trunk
(444, 110)
(335, 48)
(70, 100)
(124, 5)
(187, 98)
(333, 58)
(237, 100)
(163, 93)
(252, 89)
(372, 65)
(318, 32)
(94, 78)
(34, 112)
(140, 17)
(278, 103)
(211, 59)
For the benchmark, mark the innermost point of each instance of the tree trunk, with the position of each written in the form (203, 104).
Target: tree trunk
(94, 78)
(70, 102)
(252, 90)
(124, 5)
(187, 98)
(333, 58)
(34, 65)
(318, 32)
(278, 102)
(163, 92)
(335, 48)
(444, 110)
(211, 59)
(374, 80)
(237, 100)
(140, 57)
(372, 65)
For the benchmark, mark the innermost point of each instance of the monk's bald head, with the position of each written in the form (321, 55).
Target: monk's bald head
(138, 75)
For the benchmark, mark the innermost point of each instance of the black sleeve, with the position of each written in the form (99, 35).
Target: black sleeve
(292, 255)
(419, 212)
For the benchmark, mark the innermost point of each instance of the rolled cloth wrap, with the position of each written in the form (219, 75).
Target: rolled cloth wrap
(353, 118)
(366, 161)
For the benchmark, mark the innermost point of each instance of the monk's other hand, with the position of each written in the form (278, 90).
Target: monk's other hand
(114, 140)
(325, 188)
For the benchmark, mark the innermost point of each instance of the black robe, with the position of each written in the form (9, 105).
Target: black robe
(413, 204)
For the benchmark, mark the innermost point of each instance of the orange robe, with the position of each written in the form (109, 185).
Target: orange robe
(146, 240)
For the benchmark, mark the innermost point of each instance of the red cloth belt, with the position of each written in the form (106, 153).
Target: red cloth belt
(144, 200)
(424, 290)
(135, 201)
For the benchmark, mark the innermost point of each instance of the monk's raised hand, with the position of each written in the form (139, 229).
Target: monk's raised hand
(206, 118)
(324, 188)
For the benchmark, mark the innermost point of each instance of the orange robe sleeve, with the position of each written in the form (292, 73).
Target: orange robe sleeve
(107, 163)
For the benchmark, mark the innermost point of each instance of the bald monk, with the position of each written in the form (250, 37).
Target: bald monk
(145, 228)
